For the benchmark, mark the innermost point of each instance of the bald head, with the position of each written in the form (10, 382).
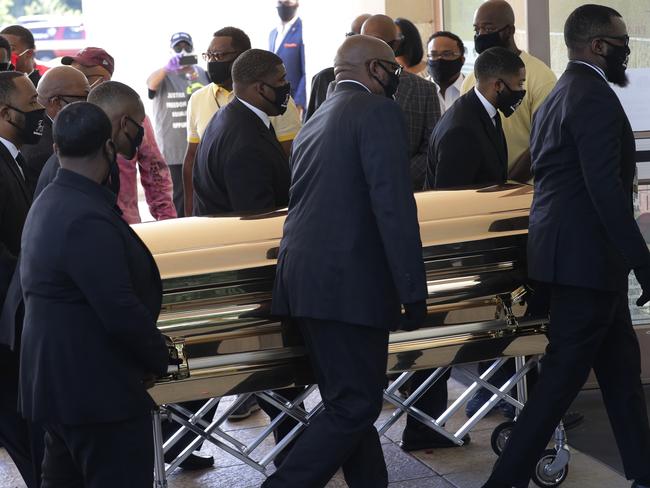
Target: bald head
(60, 86)
(357, 23)
(495, 11)
(360, 58)
(494, 22)
(382, 27)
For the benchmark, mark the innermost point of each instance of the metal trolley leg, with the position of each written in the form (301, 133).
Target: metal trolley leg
(160, 478)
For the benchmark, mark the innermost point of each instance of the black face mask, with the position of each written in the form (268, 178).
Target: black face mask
(444, 70)
(281, 101)
(390, 88)
(112, 180)
(508, 102)
(220, 71)
(616, 64)
(287, 12)
(135, 142)
(483, 42)
(32, 128)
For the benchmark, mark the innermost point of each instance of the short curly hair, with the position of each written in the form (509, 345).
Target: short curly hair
(253, 65)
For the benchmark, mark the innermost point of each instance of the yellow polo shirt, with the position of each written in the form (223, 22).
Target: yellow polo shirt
(207, 101)
(540, 80)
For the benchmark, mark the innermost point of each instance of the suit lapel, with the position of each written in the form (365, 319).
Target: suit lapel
(11, 163)
(263, 130)
(490, 129)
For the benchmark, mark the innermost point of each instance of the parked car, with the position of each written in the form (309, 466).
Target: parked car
(55, 36)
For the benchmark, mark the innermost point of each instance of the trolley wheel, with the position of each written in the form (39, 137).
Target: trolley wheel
(544, 479)
(500, 437)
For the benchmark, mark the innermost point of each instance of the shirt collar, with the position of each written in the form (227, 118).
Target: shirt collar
(456, 84)
(261, 114)
(598, 69)
(354, 81)
(70, 178)
(286, 27)
(486, 103)
(11, 147)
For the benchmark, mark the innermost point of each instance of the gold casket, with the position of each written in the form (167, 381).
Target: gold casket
(218, 275)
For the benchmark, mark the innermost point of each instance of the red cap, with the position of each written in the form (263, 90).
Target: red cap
(92, 56)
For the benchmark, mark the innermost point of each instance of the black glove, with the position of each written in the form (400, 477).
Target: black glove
(413, 316)
(643, 277)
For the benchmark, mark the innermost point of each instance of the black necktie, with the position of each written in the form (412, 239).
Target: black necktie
(502, 137)
(272, 131)
(22, 164)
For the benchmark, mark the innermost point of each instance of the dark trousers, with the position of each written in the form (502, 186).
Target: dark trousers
(176, 171)
(588, 328)
(23, 440)
(99, 455)
(169, 427)
(433, 402)
(349, 362)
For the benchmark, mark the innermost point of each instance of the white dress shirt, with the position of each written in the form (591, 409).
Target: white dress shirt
(594, 67)
(13, 150)
(283, 30)
(260, 113)
(451, 94)
(356, 82)
(489, 108)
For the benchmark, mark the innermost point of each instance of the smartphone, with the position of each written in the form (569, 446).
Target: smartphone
(189, 60)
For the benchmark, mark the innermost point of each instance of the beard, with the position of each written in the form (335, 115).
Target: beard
(617, 76)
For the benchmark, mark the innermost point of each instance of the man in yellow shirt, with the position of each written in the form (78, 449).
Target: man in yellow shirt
(226, 46)
(494, 25)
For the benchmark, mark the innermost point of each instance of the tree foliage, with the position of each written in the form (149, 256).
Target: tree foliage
(48, 7)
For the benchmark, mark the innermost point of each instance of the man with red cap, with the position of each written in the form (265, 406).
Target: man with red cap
(98, 66)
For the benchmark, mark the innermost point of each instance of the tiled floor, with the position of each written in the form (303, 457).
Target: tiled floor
(464, 467)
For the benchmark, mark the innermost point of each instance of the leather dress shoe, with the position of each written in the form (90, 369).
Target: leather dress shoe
(196, 461)
(245, 410)
(425, 438)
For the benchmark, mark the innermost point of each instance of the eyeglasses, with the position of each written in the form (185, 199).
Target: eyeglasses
(395, 68)
(446, 55)
(75, 98)
(217, 56)
(625, 39)
(488, 29)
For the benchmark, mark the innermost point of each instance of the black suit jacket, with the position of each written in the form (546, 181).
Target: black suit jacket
(582, 228)
(240, 166)
(47, 174)
(351, 249)
(37, 154)
(15, 199)
(320, 85)
(12, 311)
(466, 148)
(92, 297)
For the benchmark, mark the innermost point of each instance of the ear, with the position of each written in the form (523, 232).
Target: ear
(4, 113)
(55, 147)
(598, 46)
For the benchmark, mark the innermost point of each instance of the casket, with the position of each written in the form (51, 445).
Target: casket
(218, 274)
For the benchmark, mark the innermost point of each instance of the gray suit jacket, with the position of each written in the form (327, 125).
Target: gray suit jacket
(418, 100)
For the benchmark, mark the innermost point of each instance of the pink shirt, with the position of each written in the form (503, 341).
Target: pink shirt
(154, 176)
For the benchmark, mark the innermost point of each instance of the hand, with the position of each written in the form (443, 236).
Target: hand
(174, 359)
(643, 277)
(174, 64)
(413, 316)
